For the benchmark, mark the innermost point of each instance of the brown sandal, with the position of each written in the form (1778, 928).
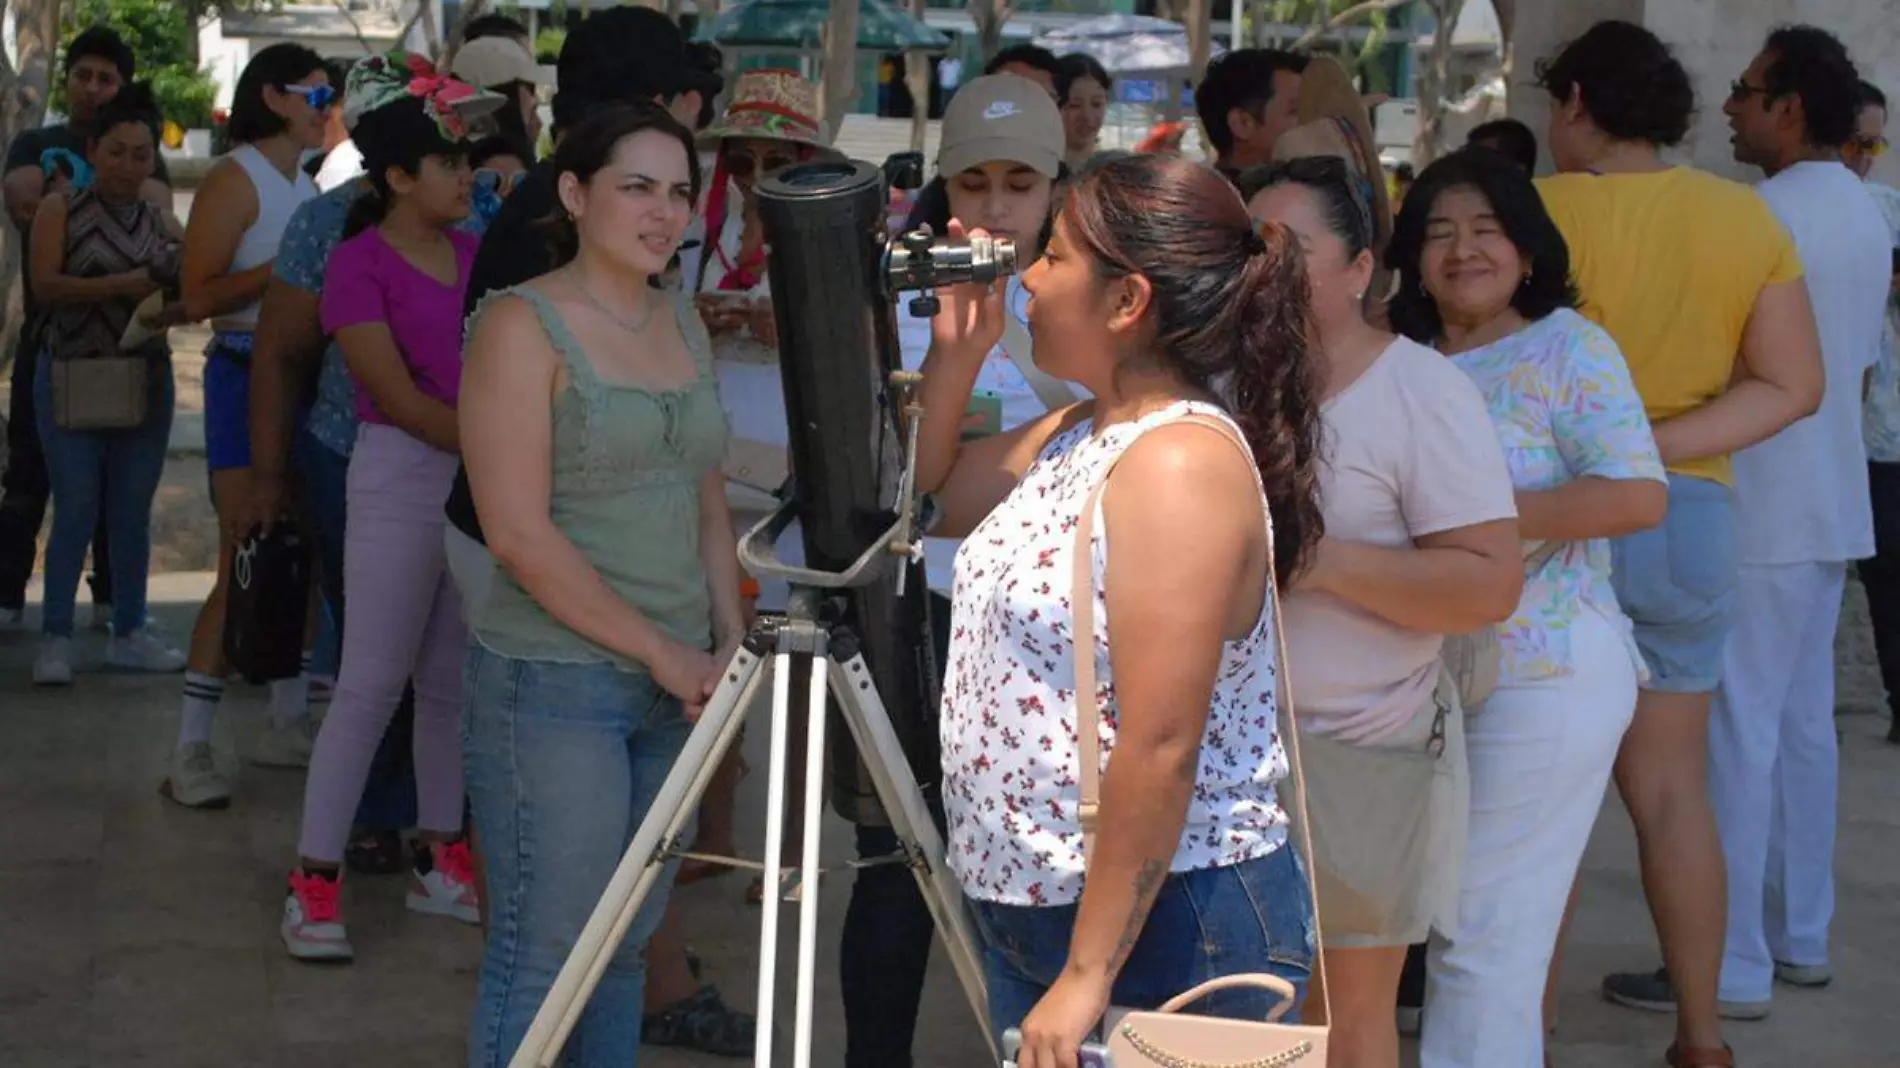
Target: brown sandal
(1691, 1057)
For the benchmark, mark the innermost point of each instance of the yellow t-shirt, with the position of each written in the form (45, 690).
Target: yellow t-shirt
(1670, 263)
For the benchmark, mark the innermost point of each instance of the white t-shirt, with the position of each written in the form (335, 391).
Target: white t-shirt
(344, 162)
(999, 376)
(1408, 451)
(1801, 496)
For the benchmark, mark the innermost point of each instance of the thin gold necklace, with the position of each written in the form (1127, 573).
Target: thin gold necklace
(629, 328)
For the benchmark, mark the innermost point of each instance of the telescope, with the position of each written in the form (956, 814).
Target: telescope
(858, 621)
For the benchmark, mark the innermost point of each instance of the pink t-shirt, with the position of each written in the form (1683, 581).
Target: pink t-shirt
(366, 281)
(1409, 451)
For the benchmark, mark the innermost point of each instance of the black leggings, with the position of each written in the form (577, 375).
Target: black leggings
(885, 948)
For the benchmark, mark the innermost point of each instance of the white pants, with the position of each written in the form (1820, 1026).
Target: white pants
(1774, 771)
(1540, 752)
(472, 567)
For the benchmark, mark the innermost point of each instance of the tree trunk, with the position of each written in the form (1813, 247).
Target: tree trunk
(917, 80)
(1434, 85)
(989, 16)
(839, 75)
(23, 94)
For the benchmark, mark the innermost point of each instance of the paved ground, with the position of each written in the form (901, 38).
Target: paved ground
(135, 933)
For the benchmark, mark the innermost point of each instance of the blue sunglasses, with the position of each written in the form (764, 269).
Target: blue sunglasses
(318, 97)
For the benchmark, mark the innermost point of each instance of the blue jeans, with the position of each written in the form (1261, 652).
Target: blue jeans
(76, 465)
(562, 762)
(1676, 582)
(1256, 916)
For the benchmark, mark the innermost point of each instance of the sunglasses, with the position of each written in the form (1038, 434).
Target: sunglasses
(1869, 146)
(319, 97)
(496, 182)
(742, 163)
(1739, 90)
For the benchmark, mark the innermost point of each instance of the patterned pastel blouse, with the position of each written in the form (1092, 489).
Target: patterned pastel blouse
(1564, 407)
(1009, 725)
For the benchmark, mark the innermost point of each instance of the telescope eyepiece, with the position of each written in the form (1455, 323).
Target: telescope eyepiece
(919, 262)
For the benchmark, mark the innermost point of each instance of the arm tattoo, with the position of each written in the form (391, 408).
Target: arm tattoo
(1147, 884)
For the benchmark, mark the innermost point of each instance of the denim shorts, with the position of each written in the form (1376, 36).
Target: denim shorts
(227, 389)
(1255, 916)
(1676, 582)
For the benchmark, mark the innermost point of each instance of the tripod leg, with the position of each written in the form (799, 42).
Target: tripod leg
(774, 842)
(808, 901)
(715, 732)
(856, 696)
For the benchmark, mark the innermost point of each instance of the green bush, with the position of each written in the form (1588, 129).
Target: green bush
(161, 35)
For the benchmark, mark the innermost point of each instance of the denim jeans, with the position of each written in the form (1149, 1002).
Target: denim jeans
(24, 490)
(562, 762)
(1255, 916)
(77, 462)
(389, 796)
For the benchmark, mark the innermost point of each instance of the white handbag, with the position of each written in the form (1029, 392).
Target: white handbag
(1168, 1037)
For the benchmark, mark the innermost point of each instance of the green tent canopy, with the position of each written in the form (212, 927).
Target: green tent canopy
(799, 24)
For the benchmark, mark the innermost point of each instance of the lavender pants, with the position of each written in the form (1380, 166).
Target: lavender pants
(402, 622)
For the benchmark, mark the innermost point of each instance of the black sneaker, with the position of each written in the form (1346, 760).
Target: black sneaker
(1652, 992)
(703, 1022)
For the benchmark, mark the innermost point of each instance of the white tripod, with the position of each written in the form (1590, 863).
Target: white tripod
(838, 672)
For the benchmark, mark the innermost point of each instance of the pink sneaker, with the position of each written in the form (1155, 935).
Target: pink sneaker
(313, 924)
(443, 880)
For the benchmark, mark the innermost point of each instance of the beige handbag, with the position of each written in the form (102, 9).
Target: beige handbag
(100, 392)
(1167, 1037)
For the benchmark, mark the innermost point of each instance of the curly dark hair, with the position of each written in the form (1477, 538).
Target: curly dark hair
(1520, 212)
(1812, 65)
(1230, 309)
(1633, 86)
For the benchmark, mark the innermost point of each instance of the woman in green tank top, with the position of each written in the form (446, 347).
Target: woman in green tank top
(593, 436)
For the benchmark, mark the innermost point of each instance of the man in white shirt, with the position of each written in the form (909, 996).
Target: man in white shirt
(1802, 514)
(1880, 417)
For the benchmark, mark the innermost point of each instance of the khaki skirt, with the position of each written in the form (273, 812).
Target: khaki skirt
(1388, 823)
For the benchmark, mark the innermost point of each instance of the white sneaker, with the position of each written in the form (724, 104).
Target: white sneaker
(54, 665)
(288, 746)
(144, 651)
(194, 780)
(447, 888)
(312, 927)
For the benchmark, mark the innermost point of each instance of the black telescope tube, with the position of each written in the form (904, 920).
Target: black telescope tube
(825, 229)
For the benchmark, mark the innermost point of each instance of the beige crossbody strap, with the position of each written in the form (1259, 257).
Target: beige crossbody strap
(1088, 729)
(1054, 394)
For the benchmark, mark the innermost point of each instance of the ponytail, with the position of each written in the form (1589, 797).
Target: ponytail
(1232, 316)
(370, 208)
(1274, 394)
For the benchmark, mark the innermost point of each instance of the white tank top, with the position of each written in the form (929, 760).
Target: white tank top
(277, 198)
(1010, 760)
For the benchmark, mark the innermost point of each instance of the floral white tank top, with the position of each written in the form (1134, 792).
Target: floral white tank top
(1009, 726)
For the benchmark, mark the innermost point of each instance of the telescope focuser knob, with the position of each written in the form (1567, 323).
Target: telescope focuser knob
(925, 306)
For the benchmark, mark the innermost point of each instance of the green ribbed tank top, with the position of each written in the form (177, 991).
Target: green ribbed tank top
(627, 466)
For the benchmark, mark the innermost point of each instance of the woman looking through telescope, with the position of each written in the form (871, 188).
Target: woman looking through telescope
(1000, 157)
(1157, 295)
(618, 597)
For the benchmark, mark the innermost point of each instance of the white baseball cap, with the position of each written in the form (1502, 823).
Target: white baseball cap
(490, 61)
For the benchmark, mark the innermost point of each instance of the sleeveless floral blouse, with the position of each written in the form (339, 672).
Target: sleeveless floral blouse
(1009, 724)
